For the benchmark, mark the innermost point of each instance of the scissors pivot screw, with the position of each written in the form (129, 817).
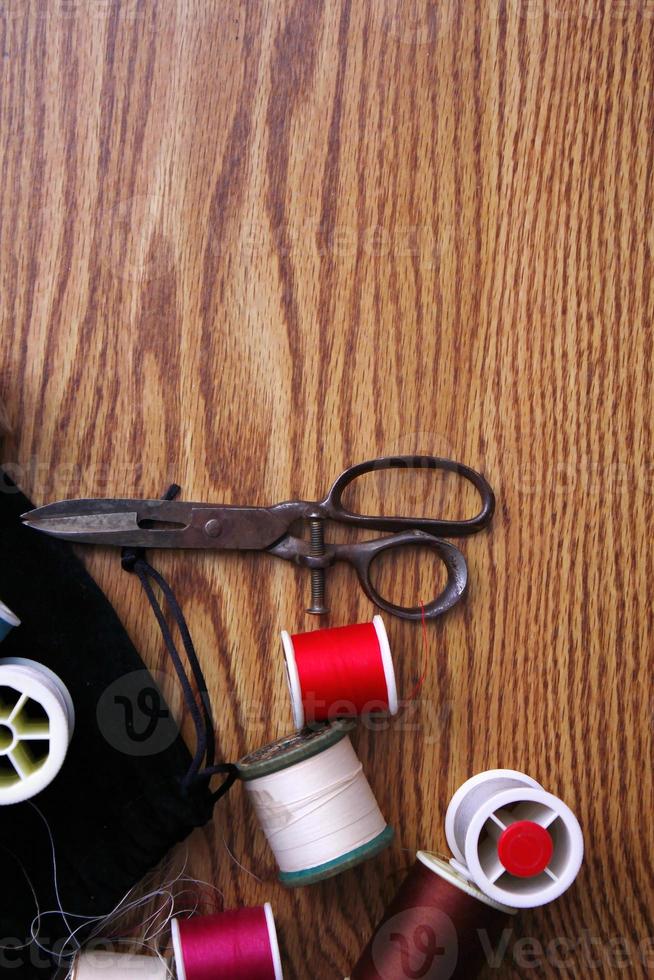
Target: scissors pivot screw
(213, 528)
(317, 607)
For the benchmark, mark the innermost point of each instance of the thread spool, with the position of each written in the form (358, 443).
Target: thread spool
(314, 804)
(438, 926)
(102, 965)
(342, 672)
(520, 845)
(8, 621)
(37, 719)
(240, 944)
(515, 846)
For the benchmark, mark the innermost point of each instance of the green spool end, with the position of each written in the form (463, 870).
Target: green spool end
(295, 879)
(292, 749)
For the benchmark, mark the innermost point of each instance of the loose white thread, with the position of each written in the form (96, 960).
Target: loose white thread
(181, 895)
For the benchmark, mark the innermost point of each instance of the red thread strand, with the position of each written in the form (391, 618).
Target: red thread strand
(421, 680)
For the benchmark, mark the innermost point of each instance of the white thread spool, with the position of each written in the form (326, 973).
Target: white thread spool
(521, 846)
(314, 804)
(101, 964)
(37, 719)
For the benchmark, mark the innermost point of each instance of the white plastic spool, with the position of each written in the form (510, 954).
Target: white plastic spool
(180, 966)
(477, 825)
(118, 966)
(37, 719)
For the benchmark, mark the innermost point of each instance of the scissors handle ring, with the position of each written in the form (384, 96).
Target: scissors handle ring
(333, 508)
(363, 554)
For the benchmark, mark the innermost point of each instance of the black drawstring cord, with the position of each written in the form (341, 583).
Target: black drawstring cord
(134, 560)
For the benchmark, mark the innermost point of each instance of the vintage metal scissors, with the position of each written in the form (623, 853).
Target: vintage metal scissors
(180, 524)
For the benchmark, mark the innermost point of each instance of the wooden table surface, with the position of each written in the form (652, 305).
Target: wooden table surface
(246, 244)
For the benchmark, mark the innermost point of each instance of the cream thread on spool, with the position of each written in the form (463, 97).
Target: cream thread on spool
(520, 845)
(314, 804)
(98, 964)
(37, 719)
(345, 671)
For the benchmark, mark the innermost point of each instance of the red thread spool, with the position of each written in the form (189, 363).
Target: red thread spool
(240, 944)
(435, 928)
(340, 673)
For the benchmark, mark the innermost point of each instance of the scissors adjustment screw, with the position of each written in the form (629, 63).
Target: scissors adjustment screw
(213, 528)
(317, 607)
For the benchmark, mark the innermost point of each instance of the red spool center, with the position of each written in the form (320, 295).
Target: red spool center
(525, 849)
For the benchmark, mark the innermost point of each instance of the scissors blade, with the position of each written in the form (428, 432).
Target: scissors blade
(159, 524)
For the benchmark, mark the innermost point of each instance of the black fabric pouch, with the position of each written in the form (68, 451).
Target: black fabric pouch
(121, 800)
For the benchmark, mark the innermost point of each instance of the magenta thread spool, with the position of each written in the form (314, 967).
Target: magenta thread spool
(240, 944)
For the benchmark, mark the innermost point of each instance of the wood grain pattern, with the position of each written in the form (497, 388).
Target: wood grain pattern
(245, 244)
